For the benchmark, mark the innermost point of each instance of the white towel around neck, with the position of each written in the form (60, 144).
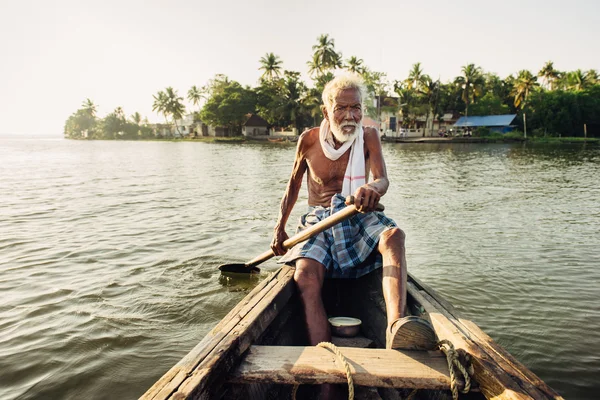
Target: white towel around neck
(355, 171)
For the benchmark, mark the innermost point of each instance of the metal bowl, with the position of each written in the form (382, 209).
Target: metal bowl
(344, 326)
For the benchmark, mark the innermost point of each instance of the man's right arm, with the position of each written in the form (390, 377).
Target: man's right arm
(290, 196)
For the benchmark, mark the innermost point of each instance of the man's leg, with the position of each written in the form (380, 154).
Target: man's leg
(408, 333)
(391, 247)
(309, 276)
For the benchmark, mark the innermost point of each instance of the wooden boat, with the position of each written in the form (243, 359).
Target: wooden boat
(258, 351)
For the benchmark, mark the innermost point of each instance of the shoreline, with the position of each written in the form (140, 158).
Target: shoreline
(293, 139)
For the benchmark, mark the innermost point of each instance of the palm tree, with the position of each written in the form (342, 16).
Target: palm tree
(271, 65)
(406, 100)
(470, 82)
(169, 103)
(549, 74)
(160, 104)
(314, 67)
(136, 118)
(325, 54)
(577, 80)
(174, 106)
(592, 76)
(524, 83)
(194, 95)
(89, 107)
(355, 65)
(414, 76)
(429, 90)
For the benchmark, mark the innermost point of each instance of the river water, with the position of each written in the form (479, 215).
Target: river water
(108, 252)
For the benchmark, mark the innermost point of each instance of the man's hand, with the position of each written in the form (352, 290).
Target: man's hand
(277, 243)
(366, 199)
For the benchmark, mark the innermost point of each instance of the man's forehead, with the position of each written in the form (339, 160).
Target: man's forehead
(347, 96)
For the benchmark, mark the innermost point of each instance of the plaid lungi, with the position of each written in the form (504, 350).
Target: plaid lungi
(346, 249)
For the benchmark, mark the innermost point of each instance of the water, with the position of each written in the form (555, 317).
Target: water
(108, 252)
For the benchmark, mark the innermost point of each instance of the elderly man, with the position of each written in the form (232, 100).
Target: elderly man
(338, 157)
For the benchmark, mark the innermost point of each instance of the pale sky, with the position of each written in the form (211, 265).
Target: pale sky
(55, 54)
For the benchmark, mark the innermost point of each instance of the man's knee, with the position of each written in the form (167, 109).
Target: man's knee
(394, 237)
(309, 276)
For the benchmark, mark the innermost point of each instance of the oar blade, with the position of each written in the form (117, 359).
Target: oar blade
(239, 268)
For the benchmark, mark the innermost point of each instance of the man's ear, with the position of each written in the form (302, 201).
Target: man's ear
(324, 111)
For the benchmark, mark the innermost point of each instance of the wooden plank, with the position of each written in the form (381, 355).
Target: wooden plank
(231, 337)
(496, 377)
(369, 367)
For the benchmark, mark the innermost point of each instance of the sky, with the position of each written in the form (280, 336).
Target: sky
(55, 54)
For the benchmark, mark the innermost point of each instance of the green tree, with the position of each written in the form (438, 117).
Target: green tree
(160, 104)
(194, 95)
(114, 125)
(549, 75)
(270, 64)
(355, 65)
(228, 103)
(89, 107)
(471, 82)
(82, 123)
(325, 57)
(489, 104)
(169, 103)
(414, 76)
(523, 86)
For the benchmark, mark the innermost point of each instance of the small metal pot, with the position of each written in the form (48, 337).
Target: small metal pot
(344, 326)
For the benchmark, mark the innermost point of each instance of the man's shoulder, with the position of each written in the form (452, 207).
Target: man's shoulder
(371, 132)
(309, 137)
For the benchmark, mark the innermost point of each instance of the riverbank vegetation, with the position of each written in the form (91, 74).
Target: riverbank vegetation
(549, 103)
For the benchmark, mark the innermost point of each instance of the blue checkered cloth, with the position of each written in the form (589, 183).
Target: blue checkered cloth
(346, 249)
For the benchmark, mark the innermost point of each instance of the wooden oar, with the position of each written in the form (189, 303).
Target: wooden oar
(342, 215)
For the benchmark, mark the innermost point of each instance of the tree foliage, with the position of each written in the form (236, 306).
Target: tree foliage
(228, 103)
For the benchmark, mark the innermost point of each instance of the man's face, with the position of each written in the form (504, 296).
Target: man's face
(345, 115)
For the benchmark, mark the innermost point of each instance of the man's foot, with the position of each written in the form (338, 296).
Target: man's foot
(410, 333)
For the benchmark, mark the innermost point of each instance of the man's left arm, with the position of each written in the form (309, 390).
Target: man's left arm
(367, 196)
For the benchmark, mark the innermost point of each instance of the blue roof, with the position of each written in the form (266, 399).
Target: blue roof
(486, 120)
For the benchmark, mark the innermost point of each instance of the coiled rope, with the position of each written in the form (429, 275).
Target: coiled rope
(452, 356)
(344, 361)
(444, 345)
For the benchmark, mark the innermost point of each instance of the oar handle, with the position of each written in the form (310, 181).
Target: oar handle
(317, 228)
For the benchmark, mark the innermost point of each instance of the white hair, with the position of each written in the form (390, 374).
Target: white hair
(345, 81)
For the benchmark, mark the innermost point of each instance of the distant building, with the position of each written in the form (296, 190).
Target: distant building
(255, 126)
(495, 123)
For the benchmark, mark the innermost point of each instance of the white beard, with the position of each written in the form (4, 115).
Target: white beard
(338, 132)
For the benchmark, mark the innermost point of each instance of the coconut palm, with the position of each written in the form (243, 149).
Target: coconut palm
(414, 76)
(549, 74)
(577, 80)
(314, 67)
(174, 106)
(194, 95)
(470, 82)
(592, 76)
(169, 103)
(325, 55)
(355, 65)
(271, 65)
(524, 84)
(429, 90)
(160, 104)
(89, 107)
(136, 118)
